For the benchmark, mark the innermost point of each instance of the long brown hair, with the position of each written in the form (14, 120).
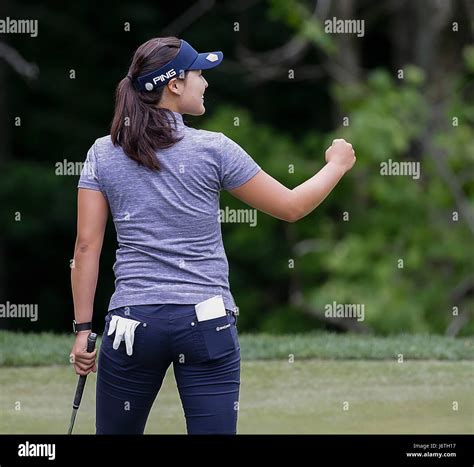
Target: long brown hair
(139, 126)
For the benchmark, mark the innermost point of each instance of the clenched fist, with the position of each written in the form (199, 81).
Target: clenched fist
(341, 154)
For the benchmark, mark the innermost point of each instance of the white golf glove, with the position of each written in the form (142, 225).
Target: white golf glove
(124, 331)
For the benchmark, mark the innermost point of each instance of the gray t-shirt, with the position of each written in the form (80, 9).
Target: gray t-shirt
(169, 238)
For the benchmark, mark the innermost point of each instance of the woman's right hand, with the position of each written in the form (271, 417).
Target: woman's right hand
(341, 154)
(83, 361)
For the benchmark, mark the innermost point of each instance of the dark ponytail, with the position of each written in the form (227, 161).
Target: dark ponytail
(139, 126)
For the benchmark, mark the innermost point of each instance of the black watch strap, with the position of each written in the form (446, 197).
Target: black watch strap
(76, 327)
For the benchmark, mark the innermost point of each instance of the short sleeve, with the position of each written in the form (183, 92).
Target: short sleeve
(237, 166)
(90, 172)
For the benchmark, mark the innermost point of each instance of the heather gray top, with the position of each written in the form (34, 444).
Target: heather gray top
(169, 238)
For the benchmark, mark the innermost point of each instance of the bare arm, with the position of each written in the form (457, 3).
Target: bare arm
(92, 212)
(268, 195)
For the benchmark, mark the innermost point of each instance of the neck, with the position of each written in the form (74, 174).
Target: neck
(169, 106)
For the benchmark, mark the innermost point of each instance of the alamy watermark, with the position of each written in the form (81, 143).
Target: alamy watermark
(14, 310)
(405, 168)
(345, 26)
(19, 26)
(244, 216)
(345, 310)
(37, 450)
(66, 167)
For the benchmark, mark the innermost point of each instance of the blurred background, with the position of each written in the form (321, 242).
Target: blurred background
(399, 89)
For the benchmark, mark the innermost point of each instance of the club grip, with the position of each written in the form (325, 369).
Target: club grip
(91, 340)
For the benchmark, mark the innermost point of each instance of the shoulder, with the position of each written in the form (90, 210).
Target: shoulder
(216, 137)
(104, 145)
(205, 144)
(215, 141)
(203, 141)
(205, 137)
(104, 153)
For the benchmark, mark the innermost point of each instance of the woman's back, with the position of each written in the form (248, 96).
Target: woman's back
(170, 246)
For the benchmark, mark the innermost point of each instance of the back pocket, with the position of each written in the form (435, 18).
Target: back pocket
(218, 336)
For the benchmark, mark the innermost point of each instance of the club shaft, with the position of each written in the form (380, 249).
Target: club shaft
(91, 340)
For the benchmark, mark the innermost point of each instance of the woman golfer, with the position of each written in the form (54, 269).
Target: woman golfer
(172, 303)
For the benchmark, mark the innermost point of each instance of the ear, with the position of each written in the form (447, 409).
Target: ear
(175, 86)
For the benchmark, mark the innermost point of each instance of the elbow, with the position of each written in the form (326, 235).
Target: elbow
(293, 211)
(84, 247)
(292, 218)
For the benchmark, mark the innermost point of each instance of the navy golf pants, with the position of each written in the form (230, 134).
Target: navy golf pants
(206, 364)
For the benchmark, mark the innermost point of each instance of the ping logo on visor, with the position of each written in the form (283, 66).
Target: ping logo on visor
(187, 59)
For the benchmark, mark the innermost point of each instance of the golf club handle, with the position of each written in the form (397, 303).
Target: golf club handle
(91, 340)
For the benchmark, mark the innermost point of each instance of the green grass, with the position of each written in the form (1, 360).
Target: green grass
(277, 396)
(29, 349)
(290, 384)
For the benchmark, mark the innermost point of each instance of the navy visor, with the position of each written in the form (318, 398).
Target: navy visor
(187, 59)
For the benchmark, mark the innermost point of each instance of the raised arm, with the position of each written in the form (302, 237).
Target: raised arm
(268, 195)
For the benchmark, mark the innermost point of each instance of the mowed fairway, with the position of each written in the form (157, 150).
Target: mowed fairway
(306, 396)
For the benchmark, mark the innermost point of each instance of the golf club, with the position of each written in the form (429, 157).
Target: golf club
(91, 340)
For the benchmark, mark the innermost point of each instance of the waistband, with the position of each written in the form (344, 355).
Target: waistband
(161, 311)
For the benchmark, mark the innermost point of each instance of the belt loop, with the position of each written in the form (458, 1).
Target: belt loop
(235, 313)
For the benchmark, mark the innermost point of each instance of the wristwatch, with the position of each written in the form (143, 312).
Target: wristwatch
(76, 327)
